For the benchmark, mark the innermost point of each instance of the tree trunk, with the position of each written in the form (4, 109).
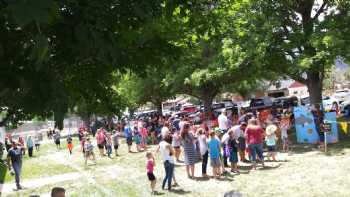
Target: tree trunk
(207, 102)
(315, 86)
(159, 107)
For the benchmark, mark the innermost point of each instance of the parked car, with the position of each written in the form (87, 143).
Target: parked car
(260, 103)
(285, 102)
(327, 102)
(342, 95)
(229, 103)
(189, 108)
(345, 108)
(305, 101)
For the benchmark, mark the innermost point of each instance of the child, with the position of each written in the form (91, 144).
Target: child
(70, 144)
(115, 139)
(150, 166)
(284, 134)
(128, 136)
(89, 151)
(214, 152)
(271, 141)
(233, 148)
(108, 144)
(143, 134)
(203, 146)
(137, 139)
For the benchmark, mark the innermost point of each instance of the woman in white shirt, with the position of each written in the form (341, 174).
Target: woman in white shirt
(167, 152)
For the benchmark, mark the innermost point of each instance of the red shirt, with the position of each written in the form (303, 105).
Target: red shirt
(254, 135)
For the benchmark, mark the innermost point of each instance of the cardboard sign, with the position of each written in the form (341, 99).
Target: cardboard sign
(332, 134)
(305, 126)
(326, 127)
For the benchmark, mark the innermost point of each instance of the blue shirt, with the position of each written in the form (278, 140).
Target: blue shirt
(127, 132)
(214, 148)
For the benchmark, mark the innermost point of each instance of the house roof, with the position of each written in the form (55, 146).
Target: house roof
(296, 84)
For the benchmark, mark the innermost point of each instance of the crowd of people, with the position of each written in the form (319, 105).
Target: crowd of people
(228, 141)
(217, 143)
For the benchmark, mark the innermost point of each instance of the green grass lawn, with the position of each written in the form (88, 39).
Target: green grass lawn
(304, 172)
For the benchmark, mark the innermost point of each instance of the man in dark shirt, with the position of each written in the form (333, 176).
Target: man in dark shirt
(14, 159)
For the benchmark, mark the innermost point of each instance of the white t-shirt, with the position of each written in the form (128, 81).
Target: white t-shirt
(223, 122)
(203, 144)
(225, 138)
(164, 152)
(165, 131)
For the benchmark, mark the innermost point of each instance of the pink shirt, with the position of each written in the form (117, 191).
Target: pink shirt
(100, 138)
(254, 135)
(149, 165)
(143, 132)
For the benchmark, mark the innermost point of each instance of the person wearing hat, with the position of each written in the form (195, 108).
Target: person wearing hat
(270, 140)
(14, 160)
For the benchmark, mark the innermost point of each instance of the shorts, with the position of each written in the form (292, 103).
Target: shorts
(271, 148)
(285, 140)
(129, 141)
(57, 142)
(233, 156)
(215, 162)
(89, 153)
(116, 147)
(151, 176)
(241, 143)
(100, 146)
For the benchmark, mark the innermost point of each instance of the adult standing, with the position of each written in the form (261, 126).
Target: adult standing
(167, 152)
(30, 146)
(115, 139)
(14, 160)
(188, 141)
(254, 136)
(223, 126)
(57, 139)
(101, 141)
(203, 147)
(128, 136)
